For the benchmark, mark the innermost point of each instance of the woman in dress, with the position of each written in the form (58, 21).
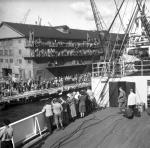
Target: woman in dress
(72, 105)
(82, 105)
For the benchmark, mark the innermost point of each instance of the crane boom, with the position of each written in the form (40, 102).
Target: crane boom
(97, 18)
(25, 16)
(99, 26)
(144, 20)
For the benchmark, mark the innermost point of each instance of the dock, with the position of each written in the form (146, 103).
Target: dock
(35, 95)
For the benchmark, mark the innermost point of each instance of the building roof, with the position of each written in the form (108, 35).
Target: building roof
(52, 32)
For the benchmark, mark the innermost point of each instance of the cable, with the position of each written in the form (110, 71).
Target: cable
(62, 140)
(119, 16)
(114, 45)
(83, 129)
(110, 132)
(129, 28)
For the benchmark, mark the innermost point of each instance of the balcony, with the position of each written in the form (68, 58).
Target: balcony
(52, 44)
(63, 54)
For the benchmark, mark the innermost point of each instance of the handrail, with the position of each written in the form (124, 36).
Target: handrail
(34, 115)
(121, 69)
(28, 128)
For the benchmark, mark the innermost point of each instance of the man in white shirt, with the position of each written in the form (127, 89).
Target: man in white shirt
(132, 100)
(57, 109)
(47, 109)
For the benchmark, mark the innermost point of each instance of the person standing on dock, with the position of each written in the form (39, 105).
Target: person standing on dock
(47, 109)
(122, 100)
(57, 109)
(6, 135)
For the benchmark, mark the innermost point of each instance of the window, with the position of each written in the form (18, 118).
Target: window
(1, 52)
(29, 61)
(9, 43)
(29, 73)
(3, 43)
(6, 52)
(19, 41)
(20, 61)
(1, 60)
(11, 60)
(10, 53)
(6, 60)
(20, 51)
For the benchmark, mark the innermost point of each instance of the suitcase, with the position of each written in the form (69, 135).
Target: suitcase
(137, 112)
(148, 111)
(129, 113)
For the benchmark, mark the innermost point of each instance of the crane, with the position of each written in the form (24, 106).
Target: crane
(103, 41)
(25, 16)
(97, 17)
(99, 24)
(50, 24)
(39, 21)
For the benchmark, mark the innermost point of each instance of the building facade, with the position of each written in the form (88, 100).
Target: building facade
(41, 52)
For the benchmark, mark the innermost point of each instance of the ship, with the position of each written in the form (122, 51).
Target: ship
(130, 69)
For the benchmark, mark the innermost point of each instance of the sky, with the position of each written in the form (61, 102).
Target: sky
(73, 13)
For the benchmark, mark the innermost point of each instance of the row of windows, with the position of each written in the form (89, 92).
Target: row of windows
(10, 61)
(8, 52)
(9, 42)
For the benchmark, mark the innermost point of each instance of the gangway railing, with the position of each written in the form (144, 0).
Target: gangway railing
(121, 69)
(28, 128)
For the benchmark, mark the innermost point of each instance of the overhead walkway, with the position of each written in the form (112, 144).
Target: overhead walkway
(102, 129)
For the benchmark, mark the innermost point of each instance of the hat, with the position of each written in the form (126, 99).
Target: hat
(82, 92)
(60, 94)
(54, 100)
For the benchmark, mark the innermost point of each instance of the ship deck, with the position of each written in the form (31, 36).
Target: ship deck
(102, 129)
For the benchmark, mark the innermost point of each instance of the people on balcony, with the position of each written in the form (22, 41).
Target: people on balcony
(52, 52)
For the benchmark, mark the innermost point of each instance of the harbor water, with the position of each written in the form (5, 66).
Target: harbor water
(18, 112)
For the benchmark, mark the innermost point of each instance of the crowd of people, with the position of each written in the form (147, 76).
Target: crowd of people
(67, 107)
(70, 44)
(9, 87)
(52, 52)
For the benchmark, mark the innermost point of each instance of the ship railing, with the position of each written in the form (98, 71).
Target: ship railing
(141, 67)
(105, 69)
(28, 129)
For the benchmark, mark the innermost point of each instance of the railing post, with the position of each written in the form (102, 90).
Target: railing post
(37, 126)
(13, 142)
(141, 67)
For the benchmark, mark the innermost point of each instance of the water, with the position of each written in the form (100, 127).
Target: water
(18, 112)
(15, 113)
